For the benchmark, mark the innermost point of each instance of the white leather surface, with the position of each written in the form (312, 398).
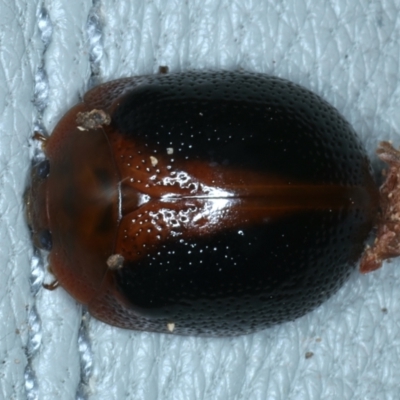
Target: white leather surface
(346, 50)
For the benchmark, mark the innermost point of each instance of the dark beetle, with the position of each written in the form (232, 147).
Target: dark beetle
(202, 203)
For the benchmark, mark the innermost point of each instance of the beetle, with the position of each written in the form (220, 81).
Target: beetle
(202, 203)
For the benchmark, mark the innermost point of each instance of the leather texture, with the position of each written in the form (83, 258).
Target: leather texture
(51, 52)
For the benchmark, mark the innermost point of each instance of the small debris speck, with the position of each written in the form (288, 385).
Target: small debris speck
(163, 69)
(153, 161)
(116, 261)
(92, 119)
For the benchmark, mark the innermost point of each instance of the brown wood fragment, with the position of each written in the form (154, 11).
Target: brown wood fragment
(387, 241)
